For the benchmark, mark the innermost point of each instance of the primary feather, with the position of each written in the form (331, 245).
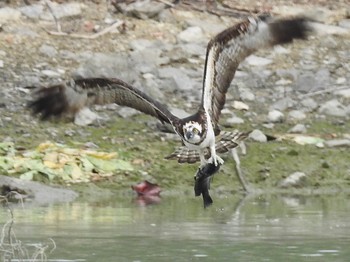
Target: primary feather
(230, 47)
(71, 97)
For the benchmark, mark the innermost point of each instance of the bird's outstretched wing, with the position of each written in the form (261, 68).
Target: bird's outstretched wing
(224, 142)
(230, 47)
(70, 97)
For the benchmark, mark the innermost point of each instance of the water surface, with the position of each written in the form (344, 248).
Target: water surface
(260, 228)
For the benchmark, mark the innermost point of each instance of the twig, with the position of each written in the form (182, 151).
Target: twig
(320, 92)
(58, 25)
(166, 2)
(54, 245)
(93, 36)
(13, 246)
(238, 170)
(241, 9)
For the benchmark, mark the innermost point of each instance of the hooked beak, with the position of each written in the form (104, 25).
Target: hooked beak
(188, 135)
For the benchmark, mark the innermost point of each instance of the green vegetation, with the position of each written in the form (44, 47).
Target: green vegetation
(136, 144)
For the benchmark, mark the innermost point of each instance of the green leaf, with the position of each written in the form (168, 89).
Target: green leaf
(28, 175)
(87, 166)
(308, 140)
(110, 165)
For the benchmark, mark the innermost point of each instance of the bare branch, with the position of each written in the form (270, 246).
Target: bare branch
(58, 25)
(93, 36)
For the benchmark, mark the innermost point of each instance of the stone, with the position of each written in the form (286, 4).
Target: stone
(344, 93)
(179, 79)
(51, 73)
(246, 94)
(193, 49)
(291, 74)
(64, 10)
(322, 14)
(345, 23)
(48, 50)
(146, 60)
(30, 80)
(278, 49)
(329, 41)
(9, 14)
(33, 11)
(38, 193)
(296, 115)
(235, 120)
(298, 129)
(210, 25)
(94, 65)
(310, 82)
(309, 104)
(151, 86)
(240, 105)
(296, 179)
(143, 9)
(25, 31)
(269, 125)
(193, 34)
(140, 44)
(337, 143)
(167, 16)
(283, 82)
(283, 104)
(85, 117)
(258, 136)
(254, 60)
(323, 77)
(323, 29)
(333, 108)
(340, 80)
(275, 116)
(127, 112)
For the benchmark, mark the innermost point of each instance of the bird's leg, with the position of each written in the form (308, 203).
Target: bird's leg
(202, 158)
(215, 159)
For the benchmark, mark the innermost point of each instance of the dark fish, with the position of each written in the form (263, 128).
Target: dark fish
(202, 182)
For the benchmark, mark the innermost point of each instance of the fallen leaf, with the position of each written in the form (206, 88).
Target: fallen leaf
(101, 155)
(308, 140)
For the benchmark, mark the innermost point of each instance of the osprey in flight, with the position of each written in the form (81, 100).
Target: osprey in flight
(198, 132)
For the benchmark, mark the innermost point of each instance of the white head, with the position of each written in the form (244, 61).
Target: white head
(192, 132)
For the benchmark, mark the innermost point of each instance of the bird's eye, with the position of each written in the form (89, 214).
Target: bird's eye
(195, 131)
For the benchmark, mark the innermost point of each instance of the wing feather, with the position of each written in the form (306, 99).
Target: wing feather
(71, 97)
(230, 47)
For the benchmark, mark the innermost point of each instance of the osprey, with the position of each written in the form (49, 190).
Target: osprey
(198, 132)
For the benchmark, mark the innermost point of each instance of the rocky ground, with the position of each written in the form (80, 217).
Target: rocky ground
(159, 47)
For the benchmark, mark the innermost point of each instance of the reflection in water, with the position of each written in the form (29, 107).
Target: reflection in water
(260, 228)
(147, 193)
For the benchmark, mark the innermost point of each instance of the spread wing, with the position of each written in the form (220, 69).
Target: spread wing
(230, 47)
(71, 97)
(224, 142)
